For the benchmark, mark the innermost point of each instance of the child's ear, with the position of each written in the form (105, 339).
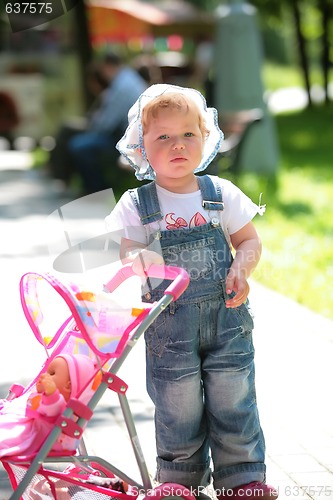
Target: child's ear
(142, 153)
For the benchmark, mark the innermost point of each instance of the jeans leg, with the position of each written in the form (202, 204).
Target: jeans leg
(236, 439)
(175, 386)
(86, 151)
(61, 166)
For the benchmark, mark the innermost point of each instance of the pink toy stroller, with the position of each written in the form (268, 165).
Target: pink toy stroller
(94, 327)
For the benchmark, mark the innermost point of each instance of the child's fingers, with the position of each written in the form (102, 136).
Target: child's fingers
(242, 290)
(138, 267)
(231, 283)
(236, 301)
(144, 260)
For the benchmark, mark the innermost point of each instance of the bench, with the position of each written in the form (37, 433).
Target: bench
(236, 127)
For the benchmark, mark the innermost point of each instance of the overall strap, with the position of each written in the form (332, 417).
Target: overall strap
(211, 193)
(146, 202)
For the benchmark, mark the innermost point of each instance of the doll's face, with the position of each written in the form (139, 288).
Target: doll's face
(59, 373)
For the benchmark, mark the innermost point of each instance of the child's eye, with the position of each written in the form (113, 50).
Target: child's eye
(189, 134)
(163, 137)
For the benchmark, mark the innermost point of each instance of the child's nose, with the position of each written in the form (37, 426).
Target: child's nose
(178, 143)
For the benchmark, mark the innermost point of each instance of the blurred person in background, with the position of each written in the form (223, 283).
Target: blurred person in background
(60, 166)
(107, 124)
(204, 66)
(9, 118)
(147, 67)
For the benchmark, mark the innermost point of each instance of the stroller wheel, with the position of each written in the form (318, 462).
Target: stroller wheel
(170, 491)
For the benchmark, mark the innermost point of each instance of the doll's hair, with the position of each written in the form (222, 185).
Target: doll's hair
(173, 101)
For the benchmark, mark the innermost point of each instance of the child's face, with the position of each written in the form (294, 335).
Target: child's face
(173, 142)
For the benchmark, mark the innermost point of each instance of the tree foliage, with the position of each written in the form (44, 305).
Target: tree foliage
(312, 22)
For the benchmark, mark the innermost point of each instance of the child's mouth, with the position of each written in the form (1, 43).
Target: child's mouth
(179, 158)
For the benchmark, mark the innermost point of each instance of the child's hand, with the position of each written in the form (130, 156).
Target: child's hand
(236, 282)
(247, 244)
(46, 384)
(144, 260)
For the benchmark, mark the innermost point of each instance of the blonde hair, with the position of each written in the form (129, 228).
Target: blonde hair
(173, 101)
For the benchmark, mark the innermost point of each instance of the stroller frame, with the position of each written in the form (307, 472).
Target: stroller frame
(82, 413)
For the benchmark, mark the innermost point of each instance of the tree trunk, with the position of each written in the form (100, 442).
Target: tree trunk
(325, 52)
(84, 47)
(301, 47)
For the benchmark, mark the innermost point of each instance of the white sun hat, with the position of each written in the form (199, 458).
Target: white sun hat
(131, 144)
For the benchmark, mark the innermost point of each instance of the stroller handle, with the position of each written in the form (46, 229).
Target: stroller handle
(180, 278)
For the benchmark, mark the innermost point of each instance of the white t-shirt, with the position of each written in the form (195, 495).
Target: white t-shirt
(183, 211)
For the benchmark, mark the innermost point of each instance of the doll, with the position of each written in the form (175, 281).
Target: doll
(26, 421)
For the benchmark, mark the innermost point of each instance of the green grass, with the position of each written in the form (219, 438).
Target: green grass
(297, 228)
(40, 157)
(275, 76)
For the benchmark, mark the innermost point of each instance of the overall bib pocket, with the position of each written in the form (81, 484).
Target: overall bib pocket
(196, 257)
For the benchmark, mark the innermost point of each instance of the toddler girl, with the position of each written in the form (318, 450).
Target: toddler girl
(199, 352)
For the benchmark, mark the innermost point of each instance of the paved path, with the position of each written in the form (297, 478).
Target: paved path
(294, 352)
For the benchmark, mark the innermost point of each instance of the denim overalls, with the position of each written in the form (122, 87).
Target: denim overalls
(200, 367)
